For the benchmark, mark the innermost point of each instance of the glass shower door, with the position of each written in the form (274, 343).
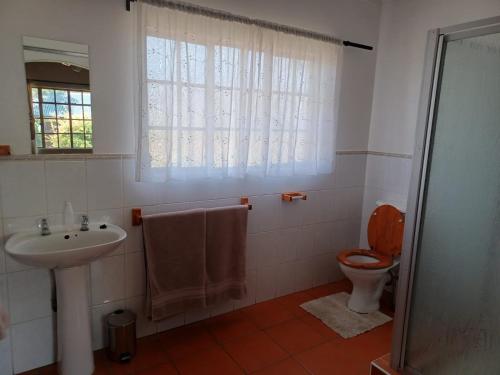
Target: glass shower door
(454, 322)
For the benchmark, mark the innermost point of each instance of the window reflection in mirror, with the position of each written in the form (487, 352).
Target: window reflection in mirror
(59, 97)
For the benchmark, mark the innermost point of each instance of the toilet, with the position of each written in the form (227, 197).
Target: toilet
(368, 270)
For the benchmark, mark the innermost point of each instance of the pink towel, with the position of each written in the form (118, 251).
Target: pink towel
(175, 258)
(225, 253)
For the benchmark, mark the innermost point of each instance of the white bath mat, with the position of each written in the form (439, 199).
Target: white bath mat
(332, 310)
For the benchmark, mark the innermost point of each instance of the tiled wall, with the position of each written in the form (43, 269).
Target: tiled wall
(291, 246)
(388, 180)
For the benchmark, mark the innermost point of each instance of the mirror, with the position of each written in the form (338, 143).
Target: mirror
(57, 77)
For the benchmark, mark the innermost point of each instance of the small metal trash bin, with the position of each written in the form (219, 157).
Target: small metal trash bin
(120, 325)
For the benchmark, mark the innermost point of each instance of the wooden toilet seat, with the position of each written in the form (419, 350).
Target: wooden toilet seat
(383, 260)
(385, 237)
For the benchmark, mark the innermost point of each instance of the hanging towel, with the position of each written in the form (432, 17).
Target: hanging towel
(175, 258)
(4, 322)
(225, 253)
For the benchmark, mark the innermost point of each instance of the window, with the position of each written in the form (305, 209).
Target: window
(224, 99)
(61, 118)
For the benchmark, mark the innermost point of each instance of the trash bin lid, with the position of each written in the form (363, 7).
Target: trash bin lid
(120, 318)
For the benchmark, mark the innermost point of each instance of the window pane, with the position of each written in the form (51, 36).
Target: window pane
(156, 58)
(36, 110)
(193, 107)
(159, 104)
(86, 97)
(61, 96)
(88, 126)
(87, 112)
(192, 150)
(193, 58)
(75, 97)
(76, 112)
(62, 111)
(227, 69)
(65, 140)
(88, 140)
(49, 110)
(50, 126)
(38, 140)
(34, 95)
(78, 140)
(63, 126)
(38, 126)
(48, 95)
(51, 141)
(77, 126)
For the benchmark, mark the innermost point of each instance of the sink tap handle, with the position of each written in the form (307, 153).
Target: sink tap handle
(44, 227)
(85, 223)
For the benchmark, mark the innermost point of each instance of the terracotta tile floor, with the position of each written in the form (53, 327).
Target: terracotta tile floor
(274, 337)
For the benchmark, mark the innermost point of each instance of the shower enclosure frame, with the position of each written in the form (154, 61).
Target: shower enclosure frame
(426, 122)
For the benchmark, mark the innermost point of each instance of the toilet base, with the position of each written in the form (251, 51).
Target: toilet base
(367, 288)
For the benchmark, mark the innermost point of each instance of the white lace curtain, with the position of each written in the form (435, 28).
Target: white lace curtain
(225, 99)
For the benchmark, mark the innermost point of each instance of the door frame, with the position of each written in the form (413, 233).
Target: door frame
(426, 121)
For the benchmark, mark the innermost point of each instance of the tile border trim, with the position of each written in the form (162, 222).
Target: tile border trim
(132, 156)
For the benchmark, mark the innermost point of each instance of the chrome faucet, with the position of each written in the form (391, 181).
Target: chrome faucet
(85, 223)
(44, 227)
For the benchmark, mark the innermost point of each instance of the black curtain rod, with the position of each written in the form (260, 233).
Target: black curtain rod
(346, 43)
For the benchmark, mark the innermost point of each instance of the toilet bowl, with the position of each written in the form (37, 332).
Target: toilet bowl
(368, 270)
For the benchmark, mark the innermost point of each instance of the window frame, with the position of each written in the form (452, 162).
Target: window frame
(178, 84)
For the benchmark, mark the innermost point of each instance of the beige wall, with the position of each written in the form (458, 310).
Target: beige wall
(107, 28)
(400, 57)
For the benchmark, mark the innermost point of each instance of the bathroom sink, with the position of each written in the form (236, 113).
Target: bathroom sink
(68, 253)
(63, 248)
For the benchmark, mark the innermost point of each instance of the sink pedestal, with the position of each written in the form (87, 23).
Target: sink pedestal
(74, 334)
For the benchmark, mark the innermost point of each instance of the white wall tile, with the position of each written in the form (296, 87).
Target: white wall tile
(305, 242)
(104, 184)
(5, 344)
(287, 244)
(222, 308)
(138, 193)
(311, 208)
(33, 344)
(323, 238)
(144, 326)
(169, 323)
(29, 294)
(2, 248)
(134, 241)
(266, 284)
(251, 279)
(99, 314)
(65, 182)
(325, 266)
(22, 189)
(304, 273)
(350, 170)
(265, 215)
(107, 278)
(291, 214)
(135, 271)
(265, 248)
(285, 278)
(252, 251)
(195, 315)
(4, 293)
(6, 356)
(283, 242)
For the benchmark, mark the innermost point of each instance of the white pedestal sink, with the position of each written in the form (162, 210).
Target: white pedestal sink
(67, 252)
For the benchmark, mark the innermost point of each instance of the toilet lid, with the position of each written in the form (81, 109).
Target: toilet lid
(385, 230)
